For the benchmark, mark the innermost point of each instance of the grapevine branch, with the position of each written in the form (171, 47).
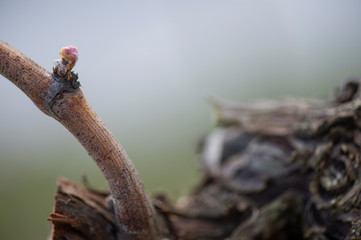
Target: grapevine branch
(62, 100)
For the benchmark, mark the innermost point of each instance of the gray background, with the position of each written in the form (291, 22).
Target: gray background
(145, 67)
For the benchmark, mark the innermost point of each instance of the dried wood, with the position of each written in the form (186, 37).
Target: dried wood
(61, 98)
(287, 169)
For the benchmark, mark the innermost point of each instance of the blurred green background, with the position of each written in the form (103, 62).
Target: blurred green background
(145, 67)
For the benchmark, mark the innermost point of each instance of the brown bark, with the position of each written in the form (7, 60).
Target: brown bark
(285, 169)
(64, 101)
(306, 150)
(80, 214)
(267, 177)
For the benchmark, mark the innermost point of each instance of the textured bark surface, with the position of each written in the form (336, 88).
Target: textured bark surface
(263, 153)
(276, 170)
(80, 214)
(60, 97)
(285, 169)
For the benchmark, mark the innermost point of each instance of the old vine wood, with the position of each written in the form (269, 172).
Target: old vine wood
(65, 102)
(287, 169)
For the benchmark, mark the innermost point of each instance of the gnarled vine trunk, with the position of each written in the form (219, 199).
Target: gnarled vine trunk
(272, 170)
(285, 169)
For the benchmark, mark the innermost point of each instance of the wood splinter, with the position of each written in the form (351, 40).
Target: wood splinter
(60, 218)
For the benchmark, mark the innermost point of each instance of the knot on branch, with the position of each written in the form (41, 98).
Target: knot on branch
(61, 85)
(68, 81)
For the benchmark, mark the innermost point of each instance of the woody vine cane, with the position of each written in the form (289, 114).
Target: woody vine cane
(58, 95)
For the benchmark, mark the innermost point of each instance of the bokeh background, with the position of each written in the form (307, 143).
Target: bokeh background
(146, 67)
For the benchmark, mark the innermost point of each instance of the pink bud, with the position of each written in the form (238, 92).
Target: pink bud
(69, 55)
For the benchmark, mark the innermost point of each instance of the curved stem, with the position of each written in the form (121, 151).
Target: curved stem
(135, 213)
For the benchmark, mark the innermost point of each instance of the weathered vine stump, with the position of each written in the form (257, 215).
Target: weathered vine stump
(271, 170)
(277, 170)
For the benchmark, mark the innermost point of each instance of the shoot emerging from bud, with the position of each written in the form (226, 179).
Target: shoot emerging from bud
(69, 55)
